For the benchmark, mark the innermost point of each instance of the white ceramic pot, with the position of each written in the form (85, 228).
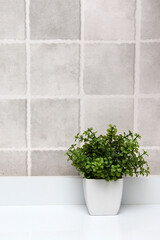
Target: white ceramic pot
(102, 197)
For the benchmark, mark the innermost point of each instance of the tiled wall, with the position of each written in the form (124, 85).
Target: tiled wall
(66, 65)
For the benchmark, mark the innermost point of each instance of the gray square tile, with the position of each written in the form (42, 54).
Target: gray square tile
(148, 121)
(109, 69)
(51, 163)
(13, 164)
(54, 69)
(54, 122)
(153, 161)
(150, 27)
(55, 19)
(109, 20)
(12, 69)
(12, 123)
(12, 19)
(150, 68)
(99, 113)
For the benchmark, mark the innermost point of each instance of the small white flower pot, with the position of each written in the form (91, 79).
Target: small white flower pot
(102, 197)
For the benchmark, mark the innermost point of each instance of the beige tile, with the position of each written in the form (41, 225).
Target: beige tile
(148, 121)
(109, 20)
(109, 69)
(54, 69)
(55, 19)
(12, 123)
(153, 161)
(12, 19)
(13, 164)
(12, 69)
(99, 113)
(150, 68)
(54, 122)
(150, 19)
(52, 163)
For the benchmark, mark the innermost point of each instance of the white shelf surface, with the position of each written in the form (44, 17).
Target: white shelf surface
(72, 222)
(58, 190)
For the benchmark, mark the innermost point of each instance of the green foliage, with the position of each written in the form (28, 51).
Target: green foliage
(109, 156)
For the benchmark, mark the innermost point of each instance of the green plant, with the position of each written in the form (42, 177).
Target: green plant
(109, 156)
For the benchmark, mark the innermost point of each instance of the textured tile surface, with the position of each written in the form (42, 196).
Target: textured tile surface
(150, 19)
(12, 123)
(55, 69)
(12, 19)
(54, 122)
(109, 69)
(101, 112)
(150, 68)
(12, 69)
(52, 163)
(148, 121)
(55, 19)
(13, 164)
(154, 161)
(109, 20)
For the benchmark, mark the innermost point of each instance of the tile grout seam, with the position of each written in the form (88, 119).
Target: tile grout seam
(61, 41)
(6, 97)
(81, 116)
(137, 63)
(58, 149)
(28, 128)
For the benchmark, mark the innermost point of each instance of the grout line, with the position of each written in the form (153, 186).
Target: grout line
(107, 96)
(6, 97)
(32, 149)
(137, 63)
(149, 95)
(10, 41)
(81, 70)
(70, 41)
(56, 41)
(109, 41)
(28, 130)
(50, 149)
(13, 149)
(150, 147)
(45, 149)
(56, 97)
(150, 41)
(86, 96)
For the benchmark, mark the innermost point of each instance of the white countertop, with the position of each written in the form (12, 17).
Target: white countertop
(72, 222)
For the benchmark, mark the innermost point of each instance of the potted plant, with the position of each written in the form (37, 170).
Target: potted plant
(103, 161)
